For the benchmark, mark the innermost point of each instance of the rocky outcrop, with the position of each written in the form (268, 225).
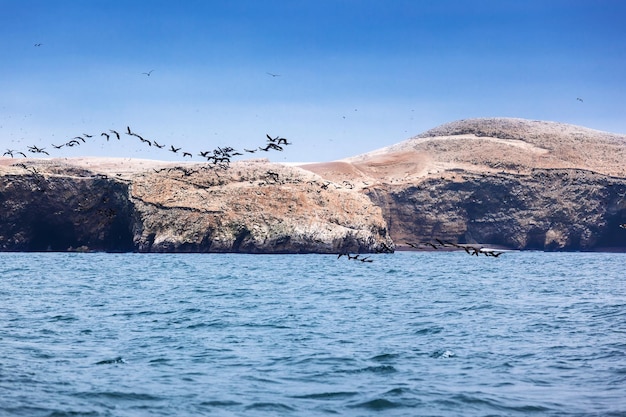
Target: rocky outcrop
(512, 183)
(253, 207)
(546, 210)
(63, 209)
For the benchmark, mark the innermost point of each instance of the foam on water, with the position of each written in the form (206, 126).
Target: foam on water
(409, 334)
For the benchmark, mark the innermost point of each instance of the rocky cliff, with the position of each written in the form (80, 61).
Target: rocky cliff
(513, 183)
(144, 206)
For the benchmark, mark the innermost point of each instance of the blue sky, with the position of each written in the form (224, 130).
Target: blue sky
(354, 76)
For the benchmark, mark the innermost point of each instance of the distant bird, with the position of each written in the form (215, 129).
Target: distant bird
(106, 135)
(115, 133)
(147, 73)
(129, 132)
(38, 44)
(271, 146)
(273, 75)
(173, 149)
(186, 154)
(58, 146)
(579, 99)
(154, 142)
(87, 136)
(249, 150)
(35, 149)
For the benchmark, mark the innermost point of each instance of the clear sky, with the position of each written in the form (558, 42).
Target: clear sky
(352, 75)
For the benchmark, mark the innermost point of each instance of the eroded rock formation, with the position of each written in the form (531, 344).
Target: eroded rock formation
(513, 183)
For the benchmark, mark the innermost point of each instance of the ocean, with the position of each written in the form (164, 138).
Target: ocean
(409, 334)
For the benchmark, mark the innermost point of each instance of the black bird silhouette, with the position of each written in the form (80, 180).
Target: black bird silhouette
(186, 154)
(129, 132)
(173, 149)
(115, 133)
(271, 146)
(87, 136)
(579, 99)
(35, 149)
(273, 75)
(249, 150)
(38, 44)
(106, 135)
(58, 146)
(154, 142)
(148, 73)
(81, 138)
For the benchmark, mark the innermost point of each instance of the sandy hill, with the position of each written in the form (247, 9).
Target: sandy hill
(486, 145)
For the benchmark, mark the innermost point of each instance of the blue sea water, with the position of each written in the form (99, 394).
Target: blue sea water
(410, 334)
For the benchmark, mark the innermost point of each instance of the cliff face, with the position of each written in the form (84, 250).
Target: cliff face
(546, 210)
(253, 207)
(514, 183)
(62, 210)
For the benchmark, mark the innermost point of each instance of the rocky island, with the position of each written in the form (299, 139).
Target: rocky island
(509, 183)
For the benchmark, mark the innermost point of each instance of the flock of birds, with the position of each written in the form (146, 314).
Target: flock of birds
(437, 244)
(220, 156)
(469, 249)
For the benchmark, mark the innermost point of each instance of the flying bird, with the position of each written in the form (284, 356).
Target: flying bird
(147, 73)
(173, 149)
(115, 133)
(579, 99)
(35, 149)
(273, 75)
(106, 135)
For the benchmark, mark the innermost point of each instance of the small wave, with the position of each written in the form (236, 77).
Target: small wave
(62, 317)
(442, 353)
(117, 360)
(378, 404)
(218, 403)
(117, 395)
(429, 330)
(326, 395)
(385, 357)
(269, 407)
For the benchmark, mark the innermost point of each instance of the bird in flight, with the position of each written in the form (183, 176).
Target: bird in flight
(35, 149)
(273, 75)
(579, 99)
(38, 44)
(147, 73)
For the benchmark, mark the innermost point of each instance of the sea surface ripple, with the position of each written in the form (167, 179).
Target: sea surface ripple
(410, 334)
